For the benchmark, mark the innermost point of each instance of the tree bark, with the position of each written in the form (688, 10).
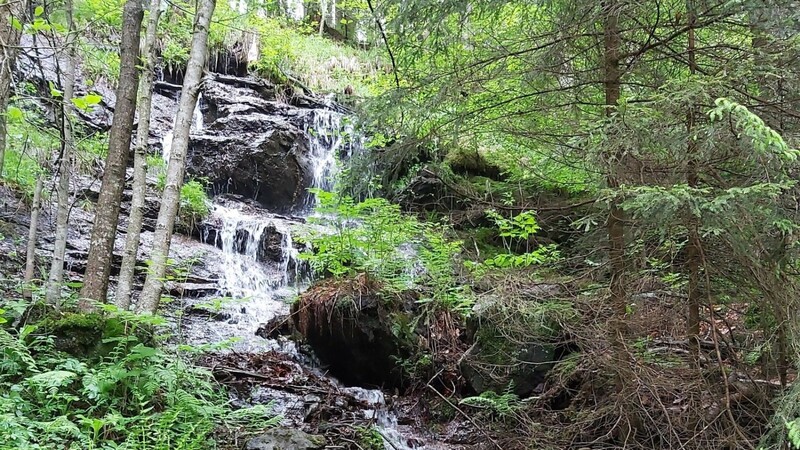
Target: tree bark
(128, 268)
(56, 277)
(151, 292)
(30, 254)
(101, 244)
(12, 16)
(323, 6)
(615, 222)
(693, 253)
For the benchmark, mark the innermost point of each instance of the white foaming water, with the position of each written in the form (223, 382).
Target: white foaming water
(385, 420)
(330, 136)
(166, 145)
(197, 116)
(245, 275)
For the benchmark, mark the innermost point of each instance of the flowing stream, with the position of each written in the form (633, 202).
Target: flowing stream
(260, 270)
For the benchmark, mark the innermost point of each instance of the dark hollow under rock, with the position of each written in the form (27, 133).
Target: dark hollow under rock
(348, 323)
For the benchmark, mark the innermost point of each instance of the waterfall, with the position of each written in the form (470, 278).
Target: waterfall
(331, 137)
(260, 263)
(166, 144)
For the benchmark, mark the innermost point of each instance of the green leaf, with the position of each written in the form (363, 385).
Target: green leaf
(54, 92)
(14, 114)
(38, 11)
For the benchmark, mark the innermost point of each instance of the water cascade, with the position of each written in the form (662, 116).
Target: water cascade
(255, 258)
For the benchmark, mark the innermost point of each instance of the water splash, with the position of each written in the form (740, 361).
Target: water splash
(166, 144)
(197, 115)
(254, 265)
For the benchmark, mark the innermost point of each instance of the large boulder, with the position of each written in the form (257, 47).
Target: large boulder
(516, 341)
(255, 155)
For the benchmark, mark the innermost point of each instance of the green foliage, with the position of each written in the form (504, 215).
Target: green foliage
(369, 438)
(91, 149)
(28, 141)
(376, 238)
(503, 406)
(322, 64)
(764, 139)
(100, 63)
(194, 205)
(136, 397)
(793, 432)
(519, 228)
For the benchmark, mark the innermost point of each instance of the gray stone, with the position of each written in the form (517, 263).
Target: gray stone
(286, 439)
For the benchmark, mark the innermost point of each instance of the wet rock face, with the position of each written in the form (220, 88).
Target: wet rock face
(272, 168)
(252, 146)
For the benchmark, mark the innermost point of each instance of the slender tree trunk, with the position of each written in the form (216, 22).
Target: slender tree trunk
(12, 16)
(323, 6)
(693, 253)
(56, 276)
(30, 254)
(101, 244)
(151, 292)
(615, 222)
(128, 268)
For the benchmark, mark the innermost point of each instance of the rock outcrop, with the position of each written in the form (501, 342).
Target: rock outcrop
(252, 144)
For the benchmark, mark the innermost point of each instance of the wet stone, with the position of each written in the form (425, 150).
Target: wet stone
(286, 439)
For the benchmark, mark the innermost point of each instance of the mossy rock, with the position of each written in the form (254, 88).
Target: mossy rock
(495, 364)
(82, 335)
(515, 341)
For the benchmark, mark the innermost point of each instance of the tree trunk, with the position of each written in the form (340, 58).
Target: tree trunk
(101, 244)
(128, 268)
(151, 293)
(12, 14)
(615, 222)
(56, 276)
(693, 253)
(30, 254)
(323, 6)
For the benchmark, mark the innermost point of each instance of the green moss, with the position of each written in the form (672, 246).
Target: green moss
(88, 335)
(77, 334)
(370, 438)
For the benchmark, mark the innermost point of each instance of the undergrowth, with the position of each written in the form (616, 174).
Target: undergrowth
(375, 238)
(136, 396)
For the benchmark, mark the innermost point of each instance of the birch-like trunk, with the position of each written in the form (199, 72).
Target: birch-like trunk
(56, 277)
(128, 267)
(323, 6)
(101, 244)
(151, 292)
(12, 13)
(30, 253)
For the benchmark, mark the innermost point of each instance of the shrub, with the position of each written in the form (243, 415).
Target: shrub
(374, 237)
(194, 205)
(136, 397)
